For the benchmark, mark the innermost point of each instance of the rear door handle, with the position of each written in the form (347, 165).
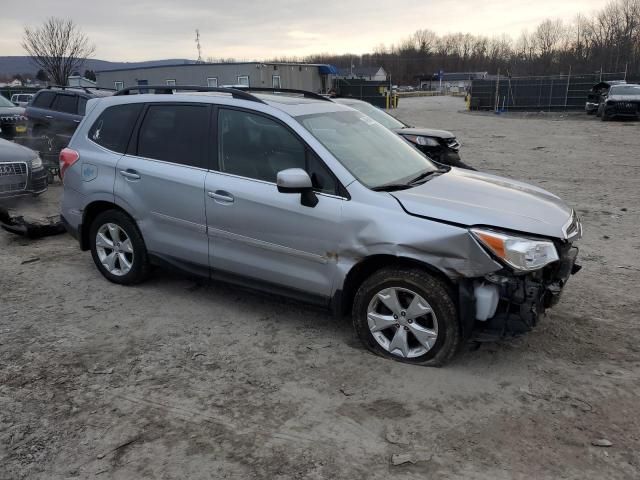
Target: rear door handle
(76, 121)
(130, 174)
(48, 116)
(221, 196)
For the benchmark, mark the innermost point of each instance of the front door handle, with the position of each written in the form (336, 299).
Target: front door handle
(221, 196)
(130, 174)
(48, 116)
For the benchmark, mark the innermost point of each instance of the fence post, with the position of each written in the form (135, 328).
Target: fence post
(550, 93)
(497, 100)
(566, 95)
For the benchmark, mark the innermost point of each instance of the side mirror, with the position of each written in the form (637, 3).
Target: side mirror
(296, 180)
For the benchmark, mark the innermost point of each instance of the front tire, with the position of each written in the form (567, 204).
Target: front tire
(407, 315)
(118, 249)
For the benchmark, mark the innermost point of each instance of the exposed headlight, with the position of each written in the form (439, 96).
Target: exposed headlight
(420, 140)
(36, 163)
(523, 254)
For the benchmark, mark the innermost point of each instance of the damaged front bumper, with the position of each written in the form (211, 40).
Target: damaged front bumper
(515, 301)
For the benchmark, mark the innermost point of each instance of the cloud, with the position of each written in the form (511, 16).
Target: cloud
(150, 29)
(299, 34)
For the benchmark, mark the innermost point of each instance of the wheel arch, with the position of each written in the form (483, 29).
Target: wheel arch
(366, 267)
(91, 211)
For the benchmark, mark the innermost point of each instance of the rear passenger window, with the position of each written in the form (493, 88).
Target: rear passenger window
(113, 127)
(175, 133)
(44, 99)
(65, 103)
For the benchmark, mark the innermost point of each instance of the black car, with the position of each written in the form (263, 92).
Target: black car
(596, 94)
(439, 145)
(55, 112)
(620, 101)
(21, 171)
(13, 123)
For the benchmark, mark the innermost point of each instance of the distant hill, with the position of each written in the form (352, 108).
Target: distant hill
(23, 64)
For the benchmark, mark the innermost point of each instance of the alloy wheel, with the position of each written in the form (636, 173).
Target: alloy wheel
(114, 249)
(402, 322)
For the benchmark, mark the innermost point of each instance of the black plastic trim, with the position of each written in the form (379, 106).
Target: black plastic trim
(304, 93)
(204, 271)
(172, 89)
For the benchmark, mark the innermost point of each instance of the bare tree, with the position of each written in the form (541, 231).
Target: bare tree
(424, 40)
(59, 47)
(608, 39)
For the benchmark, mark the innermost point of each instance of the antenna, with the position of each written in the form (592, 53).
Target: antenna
(198, 46)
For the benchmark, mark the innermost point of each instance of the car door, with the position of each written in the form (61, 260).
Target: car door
(160, 181)
(257, 233)
(65, 117)
(39, 112)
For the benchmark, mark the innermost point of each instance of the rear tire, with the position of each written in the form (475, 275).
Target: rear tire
(118, 249)
(411, 286)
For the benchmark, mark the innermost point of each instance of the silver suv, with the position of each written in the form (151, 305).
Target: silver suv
(304, 197)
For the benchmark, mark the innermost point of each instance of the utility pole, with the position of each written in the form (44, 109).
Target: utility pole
(198, 46)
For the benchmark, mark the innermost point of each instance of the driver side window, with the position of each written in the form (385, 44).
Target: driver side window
(257, 147)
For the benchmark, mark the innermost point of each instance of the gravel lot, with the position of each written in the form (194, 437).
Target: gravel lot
(177, 379)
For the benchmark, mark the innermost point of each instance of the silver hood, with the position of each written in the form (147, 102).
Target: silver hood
(473, 198)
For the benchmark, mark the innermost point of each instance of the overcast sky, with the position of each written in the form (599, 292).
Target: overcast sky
(130, 30)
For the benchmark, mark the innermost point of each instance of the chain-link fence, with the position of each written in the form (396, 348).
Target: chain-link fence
(548, 93)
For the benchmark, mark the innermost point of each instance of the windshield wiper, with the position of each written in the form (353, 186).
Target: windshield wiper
(426, 174)
(422, 176)
(391, 187)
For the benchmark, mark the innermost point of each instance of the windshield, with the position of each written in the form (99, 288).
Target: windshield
(5, 103)
(625, 90)
(374, 155)
(378, 115)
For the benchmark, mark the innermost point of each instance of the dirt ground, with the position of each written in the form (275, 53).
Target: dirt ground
(177, 379)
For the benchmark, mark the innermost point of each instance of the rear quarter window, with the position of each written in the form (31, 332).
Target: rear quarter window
(113, 128)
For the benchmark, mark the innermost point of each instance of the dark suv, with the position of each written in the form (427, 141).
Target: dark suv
(55, 112)
(12, 120)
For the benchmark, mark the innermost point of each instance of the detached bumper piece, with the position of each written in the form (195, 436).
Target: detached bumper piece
(30, 227)
(524, 298)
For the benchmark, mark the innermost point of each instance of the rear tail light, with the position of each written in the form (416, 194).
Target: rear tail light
(68, 157)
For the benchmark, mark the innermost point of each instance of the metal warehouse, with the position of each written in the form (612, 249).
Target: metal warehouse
(311, 77)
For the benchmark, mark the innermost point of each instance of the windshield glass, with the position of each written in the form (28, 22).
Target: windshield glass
(625, 90)
(5, 103)
(374, 155)
(378, 115)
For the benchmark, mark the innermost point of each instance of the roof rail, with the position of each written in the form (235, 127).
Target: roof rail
(304, 93)
(78, 87)
(172, 89)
